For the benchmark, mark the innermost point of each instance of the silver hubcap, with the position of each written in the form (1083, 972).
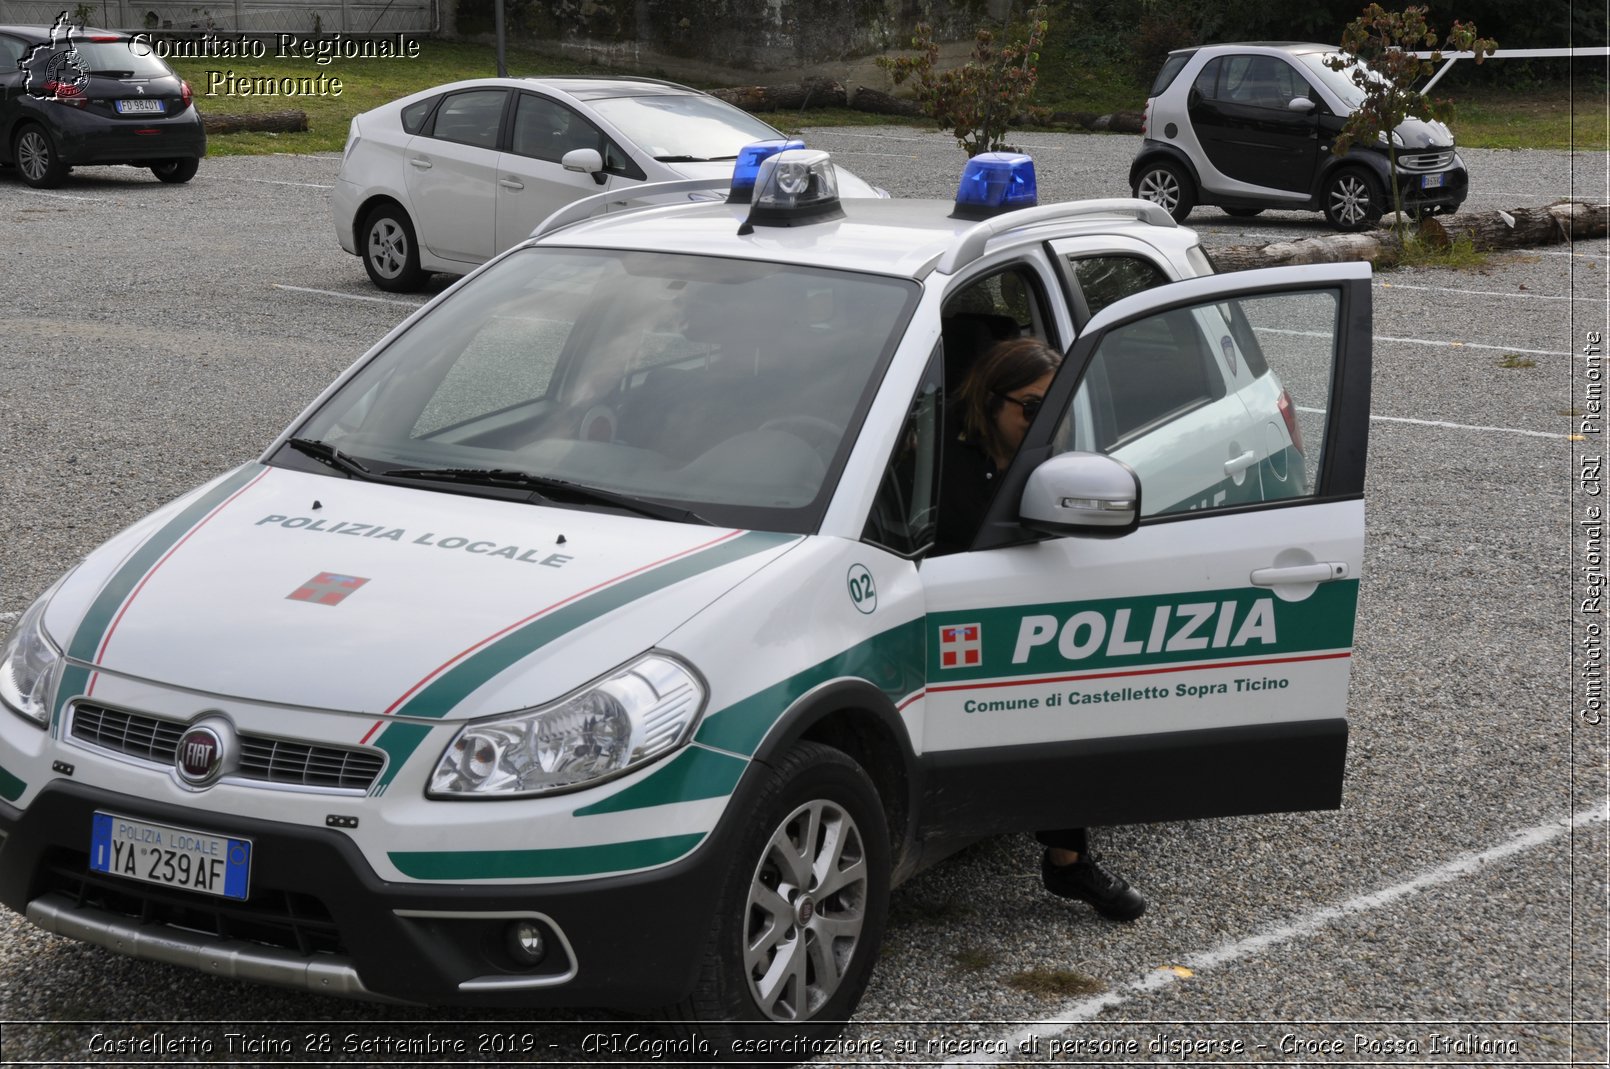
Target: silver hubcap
(807, 906)
(388, 247)
(33, 155)
(1159, 187)
(1350, 200)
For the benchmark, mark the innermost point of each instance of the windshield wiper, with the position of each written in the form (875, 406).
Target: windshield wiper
(328, 454)
(113, 74)
(682, 159)
(552, 489)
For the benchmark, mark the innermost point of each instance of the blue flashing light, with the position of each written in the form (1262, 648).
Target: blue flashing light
(747, 167)
(995, 182)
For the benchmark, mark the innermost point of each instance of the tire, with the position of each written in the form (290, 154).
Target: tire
(1167, 184)
(1243, 213)
(390, 251)
(176, 171)
(785, 963)
(1352, 199)
(38, 162)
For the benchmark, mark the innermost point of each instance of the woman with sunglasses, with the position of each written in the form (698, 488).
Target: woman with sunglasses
(999, 398)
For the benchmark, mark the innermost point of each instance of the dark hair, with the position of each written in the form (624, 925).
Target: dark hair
(1009, 365)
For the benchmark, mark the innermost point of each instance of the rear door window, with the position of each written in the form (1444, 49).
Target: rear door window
(471, 118)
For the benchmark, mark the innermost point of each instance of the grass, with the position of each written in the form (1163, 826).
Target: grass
(1516, 360)
(1056, 983)
(1459, 256)
(1544, 118)
(973, 959)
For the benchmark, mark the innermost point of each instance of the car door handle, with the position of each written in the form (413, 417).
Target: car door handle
(1322, 572)
(509, 183)
(1237, 465)
(423, 165)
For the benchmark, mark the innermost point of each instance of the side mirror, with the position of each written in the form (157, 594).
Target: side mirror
(1081, 493)
(1302, 104)
(587, 161)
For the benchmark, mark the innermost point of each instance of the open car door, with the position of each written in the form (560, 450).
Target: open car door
(1194, 661)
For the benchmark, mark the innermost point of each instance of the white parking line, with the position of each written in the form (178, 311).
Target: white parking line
(1484, 293)
(1157, 979)
(1448, 426)
(268, 181)
(53, 196)
(1424, 341)
(350, 296)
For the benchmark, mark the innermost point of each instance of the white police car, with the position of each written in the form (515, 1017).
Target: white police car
(585, 643)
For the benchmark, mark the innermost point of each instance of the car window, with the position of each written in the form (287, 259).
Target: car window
(683, 126)
(12, 52)
(731, 388)
(1111, 277)
(471, 118)
(1207, 79)
(1261, 81)
(1214, 405)
(1000, 306)
(1171, 69)
(905, 514)
(545, 129)
(415, 114)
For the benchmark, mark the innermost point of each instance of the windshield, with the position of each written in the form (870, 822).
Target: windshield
(1339, 82)
(684, 126)
(729, 388)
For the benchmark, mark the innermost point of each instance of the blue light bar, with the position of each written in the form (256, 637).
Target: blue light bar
(995, 182)
(747, 167)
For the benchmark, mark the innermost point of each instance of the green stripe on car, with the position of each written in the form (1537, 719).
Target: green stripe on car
(538, 864)
(115, 593)
(447, 690)
(11, 787)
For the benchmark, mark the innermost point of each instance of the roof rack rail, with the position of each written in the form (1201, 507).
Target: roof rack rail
(970, 245)
(614, 78)
(600, 203)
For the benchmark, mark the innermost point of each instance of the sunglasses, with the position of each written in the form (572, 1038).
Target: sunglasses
(1030, 405)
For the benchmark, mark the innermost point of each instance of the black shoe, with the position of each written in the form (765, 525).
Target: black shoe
(1087, 881)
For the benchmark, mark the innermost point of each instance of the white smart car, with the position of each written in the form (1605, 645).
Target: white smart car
(446, 178)
(587, 643)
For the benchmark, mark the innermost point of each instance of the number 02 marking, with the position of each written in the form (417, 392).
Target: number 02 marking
(863, 594)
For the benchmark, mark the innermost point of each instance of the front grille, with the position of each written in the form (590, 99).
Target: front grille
(1426, 161)
(262, 759)
(286, 919)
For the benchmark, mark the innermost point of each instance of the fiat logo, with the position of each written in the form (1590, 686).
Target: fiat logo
(200, 757)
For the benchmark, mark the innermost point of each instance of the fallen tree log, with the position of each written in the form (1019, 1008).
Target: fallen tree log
(275, 121)
(1382, 246)
(1563, 220)
(1487, 231)
(813, 93)
(878, 102)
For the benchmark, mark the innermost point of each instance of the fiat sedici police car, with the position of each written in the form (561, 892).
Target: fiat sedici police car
(588, 643)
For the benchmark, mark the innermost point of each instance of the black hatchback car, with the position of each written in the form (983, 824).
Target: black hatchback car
(72, 96)
(1250, 126)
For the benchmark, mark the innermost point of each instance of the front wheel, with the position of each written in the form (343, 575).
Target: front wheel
(37, 160)
(1168, 185)
(390, 253)
(1352, 199)
(801, 915)
(176, 171)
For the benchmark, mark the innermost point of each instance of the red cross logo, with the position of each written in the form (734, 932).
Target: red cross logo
(326, 588)
(961, 646)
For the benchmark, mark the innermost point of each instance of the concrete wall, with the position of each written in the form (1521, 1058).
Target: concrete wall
(730, 40)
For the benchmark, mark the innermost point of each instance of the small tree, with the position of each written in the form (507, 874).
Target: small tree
(1376, 50)
(979, 100)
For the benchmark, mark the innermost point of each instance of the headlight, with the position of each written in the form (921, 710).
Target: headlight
(645, 709)
(28, 663)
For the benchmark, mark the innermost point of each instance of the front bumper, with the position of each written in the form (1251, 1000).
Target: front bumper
(319, 918)
(1454, 187)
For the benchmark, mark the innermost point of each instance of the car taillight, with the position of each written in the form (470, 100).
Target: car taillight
(1288, 412)
(185, 96)
(67, 93)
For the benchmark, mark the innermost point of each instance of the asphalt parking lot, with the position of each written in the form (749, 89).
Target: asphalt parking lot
(158, 335)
